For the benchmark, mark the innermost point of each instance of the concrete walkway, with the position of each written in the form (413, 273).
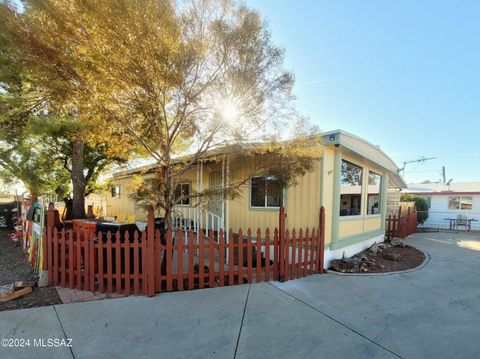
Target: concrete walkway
(430, 313)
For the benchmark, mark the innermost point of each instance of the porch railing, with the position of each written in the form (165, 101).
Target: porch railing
(194, 218)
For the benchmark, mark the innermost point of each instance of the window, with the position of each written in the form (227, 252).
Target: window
(182, 193)
(265, 191)
(374, 195)
(460, 202)
(350, 189)
(429, 201)
(115, 191)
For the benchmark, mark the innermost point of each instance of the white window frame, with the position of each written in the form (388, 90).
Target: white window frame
(460, 202)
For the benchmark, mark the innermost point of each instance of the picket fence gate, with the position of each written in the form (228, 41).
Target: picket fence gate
(401, 225)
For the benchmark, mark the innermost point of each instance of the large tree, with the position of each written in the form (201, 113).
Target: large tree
(46, 99)
(180, 78)
(187, 78)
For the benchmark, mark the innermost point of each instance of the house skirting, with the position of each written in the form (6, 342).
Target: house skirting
(350, 250)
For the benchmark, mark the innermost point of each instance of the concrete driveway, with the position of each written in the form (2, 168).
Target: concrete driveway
(430, 313)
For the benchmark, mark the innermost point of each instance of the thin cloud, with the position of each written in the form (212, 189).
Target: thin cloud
(313, 82)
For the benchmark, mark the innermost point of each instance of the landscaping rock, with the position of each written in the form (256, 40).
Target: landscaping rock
(346, 265)
(398, 243)
(392, 256)
(373, 248)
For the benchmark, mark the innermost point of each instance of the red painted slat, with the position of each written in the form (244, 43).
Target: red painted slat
(286, 253)
(109, 263)
(169, 261)
(275, 255)
(240, 256)
(118, 264)
(301, 254)
(312, 254)
(306, 254)
(180, 240)
(126, 254)
(267, 255)
(191, 256)
(293, 267)
(211, 260)
(231, 258)
(100, 253)
(50, 255)
(71, 279)
(78, 264)
(86, 261)
(221, 258)
(55, 256)
(201, 260)
(249, 256)
(92, 263)
(143, 258)
(63, 266)
(259, 256)
(136, 264)
(158, 261)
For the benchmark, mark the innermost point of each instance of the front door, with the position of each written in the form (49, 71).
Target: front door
(215, 183)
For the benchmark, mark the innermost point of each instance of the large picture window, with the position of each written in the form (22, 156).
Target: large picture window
(351, 189)
(182, 193)
(265, 191)
(374, 194)
(460, 202)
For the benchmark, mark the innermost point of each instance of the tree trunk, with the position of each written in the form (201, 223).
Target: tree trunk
(78, 180)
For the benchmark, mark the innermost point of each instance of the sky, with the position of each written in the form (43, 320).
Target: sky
(404, 75)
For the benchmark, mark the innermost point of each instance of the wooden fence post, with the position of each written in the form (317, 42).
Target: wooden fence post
(399, 217)
(281, 243)
(321, 241)
(149, 270)
(48, 259)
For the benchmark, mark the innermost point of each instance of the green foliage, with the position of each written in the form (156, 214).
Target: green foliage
(420, 204)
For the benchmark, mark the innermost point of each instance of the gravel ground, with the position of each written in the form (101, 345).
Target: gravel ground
(14, 267)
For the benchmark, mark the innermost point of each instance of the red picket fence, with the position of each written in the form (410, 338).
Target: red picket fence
(155, 261)
(401, 226)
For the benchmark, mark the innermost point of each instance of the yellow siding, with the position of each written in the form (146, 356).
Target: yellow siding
(350, 227)
(303, 201)
(240, 215)
(372, 224)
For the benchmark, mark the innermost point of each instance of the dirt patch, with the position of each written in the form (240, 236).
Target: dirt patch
(381, 258)
(15, 267)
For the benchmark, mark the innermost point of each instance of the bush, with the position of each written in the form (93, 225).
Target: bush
(420, 204)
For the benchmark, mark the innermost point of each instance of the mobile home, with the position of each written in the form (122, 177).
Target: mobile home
(350, 180)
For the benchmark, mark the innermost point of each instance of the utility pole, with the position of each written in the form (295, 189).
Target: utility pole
(420, 160)
(443, 174)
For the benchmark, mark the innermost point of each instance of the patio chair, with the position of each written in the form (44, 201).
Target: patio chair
(462, 221)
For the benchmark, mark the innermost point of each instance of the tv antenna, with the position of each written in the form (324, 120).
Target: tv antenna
(420, 160)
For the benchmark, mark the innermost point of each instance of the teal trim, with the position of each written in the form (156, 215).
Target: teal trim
(322, 178)
(356, 238)
(337, 169)
(383, 205)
